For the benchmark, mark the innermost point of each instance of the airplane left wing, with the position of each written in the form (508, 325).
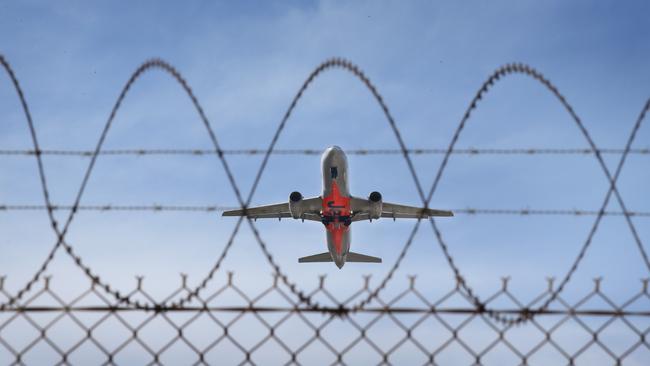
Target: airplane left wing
(409, 212)
(395, 211)
(276, 211)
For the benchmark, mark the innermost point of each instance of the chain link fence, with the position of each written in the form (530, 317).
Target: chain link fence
(228, 325)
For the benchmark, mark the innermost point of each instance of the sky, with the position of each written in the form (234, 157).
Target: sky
(245, 61)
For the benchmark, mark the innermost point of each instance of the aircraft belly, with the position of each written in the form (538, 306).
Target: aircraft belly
(336, 203)
(338, 244)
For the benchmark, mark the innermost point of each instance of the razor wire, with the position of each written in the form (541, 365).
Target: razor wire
(537, 76)
(217, 208)
(318, 152)
(304, 298)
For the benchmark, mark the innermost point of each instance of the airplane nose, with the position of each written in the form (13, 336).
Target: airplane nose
(332, 150)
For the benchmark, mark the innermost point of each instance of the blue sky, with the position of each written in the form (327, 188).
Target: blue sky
(246, 61)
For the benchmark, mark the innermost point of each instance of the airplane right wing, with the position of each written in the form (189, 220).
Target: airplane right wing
(262, 212)
(279, 211)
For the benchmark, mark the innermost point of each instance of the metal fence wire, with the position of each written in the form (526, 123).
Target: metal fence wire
(277, 329)
(286, 324)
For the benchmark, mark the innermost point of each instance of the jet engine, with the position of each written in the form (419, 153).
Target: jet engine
(375, 205)
(295, 205)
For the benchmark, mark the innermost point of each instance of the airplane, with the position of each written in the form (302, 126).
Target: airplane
(336, 209)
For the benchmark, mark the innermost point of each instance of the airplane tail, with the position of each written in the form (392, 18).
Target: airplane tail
(352, 257)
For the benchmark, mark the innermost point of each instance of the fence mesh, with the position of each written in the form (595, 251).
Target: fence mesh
(407, 328)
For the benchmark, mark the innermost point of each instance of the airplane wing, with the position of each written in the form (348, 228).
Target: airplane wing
(395, 211)
(276, 211)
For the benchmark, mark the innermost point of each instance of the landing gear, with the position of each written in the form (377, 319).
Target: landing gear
(326, 220)
(345, 220)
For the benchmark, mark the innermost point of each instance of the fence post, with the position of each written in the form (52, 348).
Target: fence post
(138, 280)
(550, 281)
(504, 283)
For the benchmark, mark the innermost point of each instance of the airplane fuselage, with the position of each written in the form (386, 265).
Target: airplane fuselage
(336, 203)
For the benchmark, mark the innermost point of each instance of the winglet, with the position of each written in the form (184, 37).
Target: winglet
(434, 212)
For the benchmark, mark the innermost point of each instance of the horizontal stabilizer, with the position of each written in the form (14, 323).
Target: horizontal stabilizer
(322, 257)
(356, 257)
